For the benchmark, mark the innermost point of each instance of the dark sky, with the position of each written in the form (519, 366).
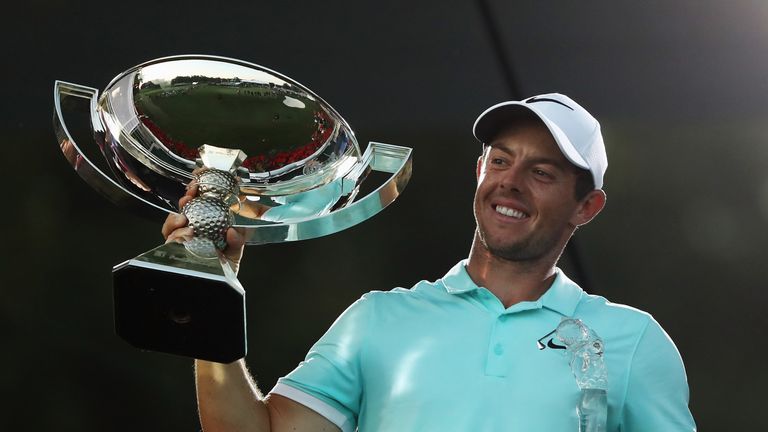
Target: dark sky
(680, 89)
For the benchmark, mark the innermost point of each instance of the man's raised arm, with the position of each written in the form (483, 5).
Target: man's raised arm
(227, 397)
(229, 400)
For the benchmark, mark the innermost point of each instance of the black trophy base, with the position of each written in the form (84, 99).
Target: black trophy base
(169, 301)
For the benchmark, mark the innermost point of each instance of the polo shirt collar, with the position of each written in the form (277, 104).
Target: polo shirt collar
(562, 296)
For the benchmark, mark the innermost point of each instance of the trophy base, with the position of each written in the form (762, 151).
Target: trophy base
(172, 301)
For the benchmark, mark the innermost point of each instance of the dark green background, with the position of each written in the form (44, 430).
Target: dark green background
(680, 88)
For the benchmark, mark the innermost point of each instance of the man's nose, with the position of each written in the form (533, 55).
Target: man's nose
(513, 179)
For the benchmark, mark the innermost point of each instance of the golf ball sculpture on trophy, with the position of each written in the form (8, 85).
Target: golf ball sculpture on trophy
(269, 157)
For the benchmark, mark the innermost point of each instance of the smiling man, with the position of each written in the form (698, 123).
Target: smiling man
(530, 196)
(477, 349)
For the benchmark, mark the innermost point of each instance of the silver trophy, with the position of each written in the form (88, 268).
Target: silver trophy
(269, 156)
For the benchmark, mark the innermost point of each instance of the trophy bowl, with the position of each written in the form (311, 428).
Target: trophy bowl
(270, 158)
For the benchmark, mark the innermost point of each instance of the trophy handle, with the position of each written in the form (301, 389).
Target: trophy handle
(380, 157)
(63, 94)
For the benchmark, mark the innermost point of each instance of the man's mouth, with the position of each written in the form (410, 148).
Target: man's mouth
(506, 211)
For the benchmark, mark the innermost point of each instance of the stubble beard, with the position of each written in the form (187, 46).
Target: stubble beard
(528, 249)
(525, 250)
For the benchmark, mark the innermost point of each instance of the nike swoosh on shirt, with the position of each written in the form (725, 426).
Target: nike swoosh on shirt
(540, 343)
(553, 345)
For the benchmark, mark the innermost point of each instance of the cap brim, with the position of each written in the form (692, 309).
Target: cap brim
(504, 114)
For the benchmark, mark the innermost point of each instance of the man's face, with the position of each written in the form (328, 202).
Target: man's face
(525, 205)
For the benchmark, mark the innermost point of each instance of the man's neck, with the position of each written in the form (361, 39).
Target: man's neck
(511, 281)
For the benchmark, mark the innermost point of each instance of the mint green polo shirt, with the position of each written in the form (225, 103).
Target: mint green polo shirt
(447, 356)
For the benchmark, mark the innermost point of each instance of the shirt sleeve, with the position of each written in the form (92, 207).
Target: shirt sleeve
(329, 380)
(657, 391)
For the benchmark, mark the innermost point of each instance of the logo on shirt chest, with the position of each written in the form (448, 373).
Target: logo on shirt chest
(548, 341)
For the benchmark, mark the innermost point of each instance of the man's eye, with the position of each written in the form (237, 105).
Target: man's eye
(542, 173)
(497, 161)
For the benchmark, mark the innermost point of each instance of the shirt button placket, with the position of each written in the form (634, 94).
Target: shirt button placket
(497, 363)
(498, 349)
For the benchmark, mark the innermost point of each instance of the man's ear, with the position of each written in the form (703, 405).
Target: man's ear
(479, 166)
(589, 207)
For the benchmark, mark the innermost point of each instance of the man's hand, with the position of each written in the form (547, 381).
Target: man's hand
(175, 228)
(228, 398)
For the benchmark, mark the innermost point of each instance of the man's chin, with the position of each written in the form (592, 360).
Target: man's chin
(513, 255)
(516, 252)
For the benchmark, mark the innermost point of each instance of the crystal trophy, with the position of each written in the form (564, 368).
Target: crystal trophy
(585, 350)
(269, 156)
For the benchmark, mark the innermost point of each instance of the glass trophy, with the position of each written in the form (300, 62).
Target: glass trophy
(585, 350)
(270, 158)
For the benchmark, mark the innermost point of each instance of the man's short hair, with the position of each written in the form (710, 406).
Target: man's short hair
(584, 183)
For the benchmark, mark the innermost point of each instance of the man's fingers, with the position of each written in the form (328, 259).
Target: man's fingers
(235, 243)
(190, 193)
(192, 188)
(235, 238)
(173, 222)
(184, 200)
(181, 235)
(234, 249)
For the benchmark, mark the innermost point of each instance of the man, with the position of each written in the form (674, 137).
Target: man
(475, 350)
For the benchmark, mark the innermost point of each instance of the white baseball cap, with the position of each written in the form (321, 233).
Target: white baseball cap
(576, 132)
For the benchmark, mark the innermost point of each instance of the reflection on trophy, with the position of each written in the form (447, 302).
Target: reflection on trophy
(269, 158)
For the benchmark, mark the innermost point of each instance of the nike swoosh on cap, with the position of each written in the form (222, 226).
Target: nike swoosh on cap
(540, 99)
